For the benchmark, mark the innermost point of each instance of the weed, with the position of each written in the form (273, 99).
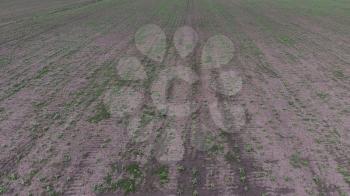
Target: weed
(195, 175)
(333, 136)
(248, 147)
(322, 95)
(216, 148)
(42, 72)
(106, 186)
(273, 178)
(66, 158)
(151, 71)
(103, 188)
(242, 175)
(345, 173)
(28, 180)
(298, 162)
(287, 178)
(339, 74)
(134, 170)
(105, 142)
(60, 136)
(147, 117)
(180, 168)
(127, 185)
(286, 40)
(102, 113)
(317, 180)
(163, 174)
(4, 61)
(232, 157)
(12, 177)
(3, 189)
(38, 105)
(51, 191)
(346, 110)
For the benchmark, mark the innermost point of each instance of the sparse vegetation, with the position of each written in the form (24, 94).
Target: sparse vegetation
(286, 40)
(4, 61)
(102, 113)
(297, 161)
(232, 157)
(66, 158)
(195, 175)
(12, 176)
(134, 170)
(345, 173)
(128, 183)
(317, 180)
(163, 174)
(42, 72)
(339, 74)
(180, 168)
(69, 110)
(248, 147)
(147, 116)
(242, 175)
(3, 189)
(51, 191)
(322, 95)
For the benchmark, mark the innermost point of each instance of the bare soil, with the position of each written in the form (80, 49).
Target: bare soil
(70, 124)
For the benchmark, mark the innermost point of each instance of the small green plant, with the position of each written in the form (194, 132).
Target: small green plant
(134, 170)
(12, 176)
(99, 188)
(216, 149)
(102, 113)
(51, 191)
(232, 157)
(127, 185)
(41, 73)
(4, 61)
(287, 178)
(323, 95)
(147, 116)
(248, 148)
(242, 175)
(107, 185)
(163, 174)
(180, 168)
(195, 175)
(298, 162)
(3, 189)
(339, 74)
(286, 40)
(317, 180)
(28, 179)
(66, 158)
(273, 178)
(345, 173)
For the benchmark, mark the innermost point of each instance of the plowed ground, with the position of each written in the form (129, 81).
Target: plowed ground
(59, 135)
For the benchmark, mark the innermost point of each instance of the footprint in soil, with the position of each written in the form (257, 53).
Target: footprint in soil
(172, 85)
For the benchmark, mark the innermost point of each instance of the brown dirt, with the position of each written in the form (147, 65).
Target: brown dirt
(70, 125)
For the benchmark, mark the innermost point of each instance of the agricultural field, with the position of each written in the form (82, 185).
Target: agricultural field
(175, 97)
